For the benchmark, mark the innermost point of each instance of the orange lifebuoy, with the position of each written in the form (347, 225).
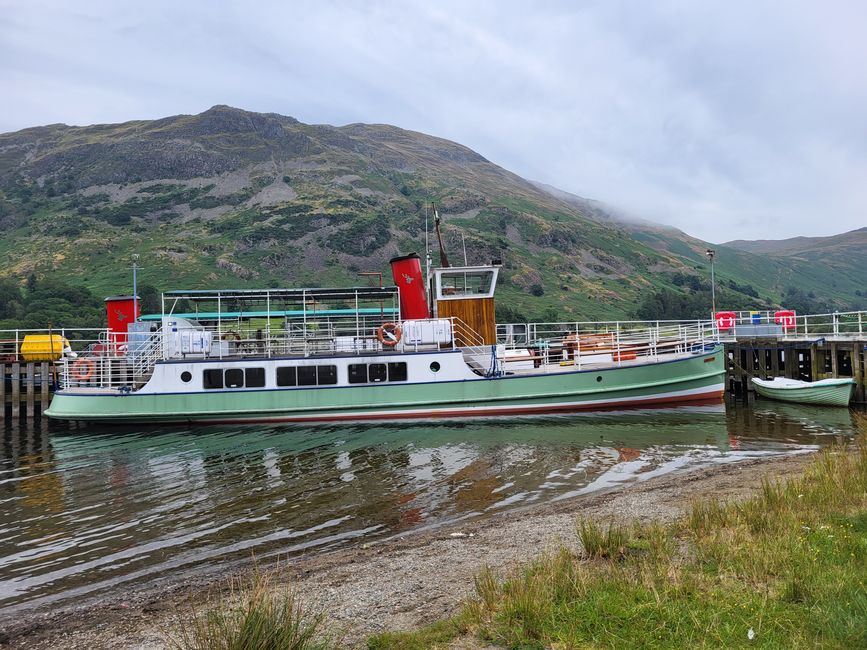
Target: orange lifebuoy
(82, 369)
(389, 334)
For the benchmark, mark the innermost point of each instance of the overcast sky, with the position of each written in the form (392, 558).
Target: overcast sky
(725, 119)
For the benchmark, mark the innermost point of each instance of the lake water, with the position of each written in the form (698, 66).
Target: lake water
(91, 511)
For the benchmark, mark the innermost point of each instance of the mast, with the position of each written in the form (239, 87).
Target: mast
(444, 260)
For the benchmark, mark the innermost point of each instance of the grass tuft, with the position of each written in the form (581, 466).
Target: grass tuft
(255, 616)
(602, 543)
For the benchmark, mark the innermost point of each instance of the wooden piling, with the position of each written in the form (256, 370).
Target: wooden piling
(16, 390)
(44, 375)
(30, 392)
(3, 392)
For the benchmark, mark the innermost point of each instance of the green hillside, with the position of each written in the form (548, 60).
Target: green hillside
(230, 198)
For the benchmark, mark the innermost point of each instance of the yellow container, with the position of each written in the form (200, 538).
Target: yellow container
(43, 347)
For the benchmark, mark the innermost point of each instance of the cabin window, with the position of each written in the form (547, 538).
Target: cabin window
(362, 373)
(287, 376)
(357, 373)
(186, 376)
(377, 372)
(397, 371)
(254, 377)
(213, 378)
(307, 375)
(234, 378)
(326, 375)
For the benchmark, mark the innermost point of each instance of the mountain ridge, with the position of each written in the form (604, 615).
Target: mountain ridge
(240, 198)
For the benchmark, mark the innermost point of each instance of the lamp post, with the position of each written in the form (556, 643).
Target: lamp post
(134, 287)
(710, 253)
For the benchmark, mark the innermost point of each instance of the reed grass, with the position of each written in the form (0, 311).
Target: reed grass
(784, 569)
(256, 615)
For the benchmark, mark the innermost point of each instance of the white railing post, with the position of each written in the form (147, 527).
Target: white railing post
(617, 344)
(577, 347)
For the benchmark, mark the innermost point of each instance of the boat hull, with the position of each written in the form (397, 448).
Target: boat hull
(830, 395)
(696, 379)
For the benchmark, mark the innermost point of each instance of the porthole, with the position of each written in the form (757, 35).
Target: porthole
(599, 378)
(435, 366)
(186, 376)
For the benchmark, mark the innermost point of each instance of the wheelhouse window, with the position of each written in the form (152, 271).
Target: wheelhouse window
(465, 282)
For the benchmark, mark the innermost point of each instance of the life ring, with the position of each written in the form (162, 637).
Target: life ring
(83, 369)
(231, 336)
(389, 334)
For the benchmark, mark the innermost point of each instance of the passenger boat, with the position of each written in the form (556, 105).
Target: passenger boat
(428, 347)
(827, 392)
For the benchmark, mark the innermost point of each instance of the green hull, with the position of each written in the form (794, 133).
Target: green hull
(695, 379)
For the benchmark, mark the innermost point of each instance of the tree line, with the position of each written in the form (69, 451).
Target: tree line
(47, 301)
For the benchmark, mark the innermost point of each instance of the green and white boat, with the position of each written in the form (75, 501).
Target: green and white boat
(827, 392)
(370, 353)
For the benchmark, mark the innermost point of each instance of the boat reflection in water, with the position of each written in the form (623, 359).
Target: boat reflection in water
(90, 511)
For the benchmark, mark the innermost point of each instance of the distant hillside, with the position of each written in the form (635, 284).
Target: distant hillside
(236, 199)
(849, 243)
(831, 268)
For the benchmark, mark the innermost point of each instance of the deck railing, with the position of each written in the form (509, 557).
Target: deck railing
(549, 345)
(80, 339)
(841, 325)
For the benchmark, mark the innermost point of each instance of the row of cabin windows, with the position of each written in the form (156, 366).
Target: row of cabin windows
(359, 373)
(363, 373)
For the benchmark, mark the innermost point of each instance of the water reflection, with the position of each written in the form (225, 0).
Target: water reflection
(87, 510)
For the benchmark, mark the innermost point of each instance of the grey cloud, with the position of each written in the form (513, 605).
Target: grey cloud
(735, 120)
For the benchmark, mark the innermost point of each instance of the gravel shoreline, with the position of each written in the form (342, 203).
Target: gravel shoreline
(404, 582)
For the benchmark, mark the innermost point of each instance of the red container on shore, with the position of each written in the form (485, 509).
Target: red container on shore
(408, 277)
(121, 311)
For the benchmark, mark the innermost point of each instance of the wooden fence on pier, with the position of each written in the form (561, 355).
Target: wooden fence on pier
(807, 360)
(26, 389)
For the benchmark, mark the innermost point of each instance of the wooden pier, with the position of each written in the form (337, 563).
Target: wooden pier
(26, 389)
(805, 359)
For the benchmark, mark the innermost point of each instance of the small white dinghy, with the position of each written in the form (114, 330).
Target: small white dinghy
(827, 392)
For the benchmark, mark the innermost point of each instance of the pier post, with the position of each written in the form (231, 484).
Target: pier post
(16, 390)
(3, 392)
(859, 372)
(43, 389)
(30, 371)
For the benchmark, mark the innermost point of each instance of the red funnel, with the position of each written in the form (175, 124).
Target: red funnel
(407, 275)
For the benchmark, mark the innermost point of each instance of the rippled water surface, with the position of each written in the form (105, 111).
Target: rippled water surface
(90, 511)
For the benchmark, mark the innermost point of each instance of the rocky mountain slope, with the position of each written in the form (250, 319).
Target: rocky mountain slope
(232, 198)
